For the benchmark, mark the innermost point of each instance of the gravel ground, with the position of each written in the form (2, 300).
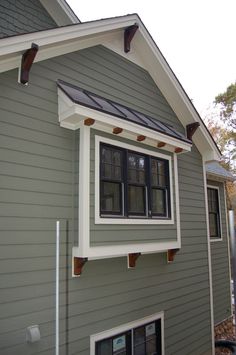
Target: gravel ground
(226, 331)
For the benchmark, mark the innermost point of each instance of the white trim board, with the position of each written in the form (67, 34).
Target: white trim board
(128, 326)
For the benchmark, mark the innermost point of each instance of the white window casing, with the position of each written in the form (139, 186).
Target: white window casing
(84, 248)
(218, 239)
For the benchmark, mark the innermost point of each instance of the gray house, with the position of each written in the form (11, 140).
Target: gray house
(96, 132)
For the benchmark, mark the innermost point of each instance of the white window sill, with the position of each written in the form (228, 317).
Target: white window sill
(103, 220)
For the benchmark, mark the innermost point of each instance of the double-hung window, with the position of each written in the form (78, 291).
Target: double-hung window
(145, 339)
(214, 212)
(133, 184)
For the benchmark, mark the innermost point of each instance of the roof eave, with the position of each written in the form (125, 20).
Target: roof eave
(217, 177)
(12, 48)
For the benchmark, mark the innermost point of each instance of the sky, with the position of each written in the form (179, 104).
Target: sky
(197, 38)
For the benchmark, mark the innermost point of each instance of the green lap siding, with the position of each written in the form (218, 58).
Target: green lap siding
(220, 265)
(23, 16)
(39, 184)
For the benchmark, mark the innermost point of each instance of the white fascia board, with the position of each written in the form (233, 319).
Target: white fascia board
(60, 11)
(18, 43)
(59, 41)
(71, 115)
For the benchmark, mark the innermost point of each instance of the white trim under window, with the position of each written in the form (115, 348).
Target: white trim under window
(220, 238)
(126, 327)
(120, 220)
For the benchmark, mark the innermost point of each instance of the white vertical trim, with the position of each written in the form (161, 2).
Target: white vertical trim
(97, 179)
(84, 189)
(209, 260)
(178, 228)
(57, 330)
(228, 244)
(128, 326)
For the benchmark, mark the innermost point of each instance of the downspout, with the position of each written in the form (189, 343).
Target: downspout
(209, 262)
(233, 251)
(57, 287)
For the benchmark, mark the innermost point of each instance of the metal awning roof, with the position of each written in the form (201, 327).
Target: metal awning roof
(88, 99)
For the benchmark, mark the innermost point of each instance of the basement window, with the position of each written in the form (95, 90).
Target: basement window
(143, 337)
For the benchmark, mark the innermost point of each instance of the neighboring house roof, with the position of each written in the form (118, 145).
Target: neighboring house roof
(110, 33)
(60, 11)
(216, 171)
(23, 16)
(99, 103)
(27, 16)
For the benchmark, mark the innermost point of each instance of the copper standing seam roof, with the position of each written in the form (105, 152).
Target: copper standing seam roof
(99, 103)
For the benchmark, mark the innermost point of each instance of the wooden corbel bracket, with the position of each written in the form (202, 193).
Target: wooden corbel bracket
(171, 255)
(128, 36)
(26, 63)
(161, 145)
(117, 130)
(191, 129)
(78, 265)
(89, 121)
(141, 138)
(178, 150)
(132, 258)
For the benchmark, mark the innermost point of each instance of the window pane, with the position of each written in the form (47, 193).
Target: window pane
(106, 155)
(213, 225)
(158, 201)
(110, 197)
(136, 168)
(162, 180)
(158, 177)
(119, 345)
(214, 215)
(104, 347)
(116, 173)
(161, 167)
(136, 200)
(106, 171)
(151, 339)
(139, 341)
(116, 158)
(111, 164)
